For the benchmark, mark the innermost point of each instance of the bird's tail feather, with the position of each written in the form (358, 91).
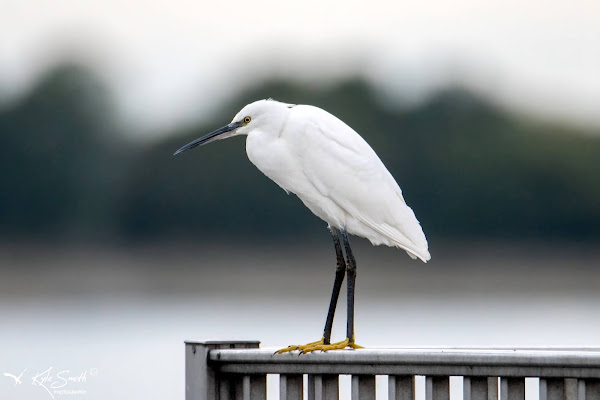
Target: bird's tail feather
(400, 240)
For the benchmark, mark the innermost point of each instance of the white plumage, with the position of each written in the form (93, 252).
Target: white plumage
(332, 169)
(338, 176)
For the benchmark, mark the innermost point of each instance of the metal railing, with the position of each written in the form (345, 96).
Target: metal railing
(238, 370)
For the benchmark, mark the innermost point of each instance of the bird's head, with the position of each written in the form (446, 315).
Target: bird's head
(267, 115)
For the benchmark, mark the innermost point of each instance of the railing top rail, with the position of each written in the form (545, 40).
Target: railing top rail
(576, 362)
(449, 356)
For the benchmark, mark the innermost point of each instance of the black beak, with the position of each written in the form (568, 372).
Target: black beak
(215, 135)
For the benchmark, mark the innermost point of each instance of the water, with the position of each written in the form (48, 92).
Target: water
(119, 318)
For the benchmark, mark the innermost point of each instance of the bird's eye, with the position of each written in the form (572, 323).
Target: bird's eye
(247, 120)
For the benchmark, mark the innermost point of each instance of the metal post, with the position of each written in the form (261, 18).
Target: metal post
(201, 382)
(363, 387)
(401, 387)
(437, 388)
(290, 387)
(512, 388)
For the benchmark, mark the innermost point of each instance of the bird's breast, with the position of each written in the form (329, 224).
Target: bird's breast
(272, 156)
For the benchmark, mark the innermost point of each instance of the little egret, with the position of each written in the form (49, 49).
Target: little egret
(338, 176)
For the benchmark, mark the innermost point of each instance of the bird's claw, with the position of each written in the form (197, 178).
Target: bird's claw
(299, 347)
(326, 347)
(320, 346)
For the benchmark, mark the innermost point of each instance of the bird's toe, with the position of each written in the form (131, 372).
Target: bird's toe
(301, 348)
(332, 346)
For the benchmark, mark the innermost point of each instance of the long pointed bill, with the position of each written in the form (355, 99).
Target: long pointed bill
(220, 133)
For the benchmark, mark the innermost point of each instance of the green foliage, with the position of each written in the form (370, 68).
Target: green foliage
(467, 168)
(56, 157)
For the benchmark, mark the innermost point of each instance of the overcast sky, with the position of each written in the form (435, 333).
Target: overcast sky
(170, 60)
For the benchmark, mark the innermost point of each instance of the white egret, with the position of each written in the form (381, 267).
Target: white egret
(338, 176)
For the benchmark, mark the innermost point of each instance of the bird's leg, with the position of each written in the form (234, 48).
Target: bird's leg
(340, 272)
(350, 266)
(351, 271)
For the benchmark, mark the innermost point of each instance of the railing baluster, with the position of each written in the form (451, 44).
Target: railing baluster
(543, 389)
(245, 388)
(228, 385)
(323, 387)
(477, 388)
(290, 387)
(493, 387)
(315, 387)
(552, 389)
(401, 387)
(437, 388)
(255, 387)
(363, 387)
(512, 388)
(331, 386)
(571, 389)
(581, 389)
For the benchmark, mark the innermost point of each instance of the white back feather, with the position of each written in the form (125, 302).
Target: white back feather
(344, 168)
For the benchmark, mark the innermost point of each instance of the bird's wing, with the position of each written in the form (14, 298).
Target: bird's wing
(344, 168)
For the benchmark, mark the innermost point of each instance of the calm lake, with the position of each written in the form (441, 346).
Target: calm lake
(109, 323)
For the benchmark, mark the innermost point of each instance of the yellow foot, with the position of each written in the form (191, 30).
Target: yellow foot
(333, 346)
(320, 345)
(300, 347)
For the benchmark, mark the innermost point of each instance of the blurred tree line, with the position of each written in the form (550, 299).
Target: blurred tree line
(467, 168)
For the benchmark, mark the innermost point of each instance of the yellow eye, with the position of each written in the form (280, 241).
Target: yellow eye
(247, 120)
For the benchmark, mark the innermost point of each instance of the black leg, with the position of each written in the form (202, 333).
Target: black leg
(351, 269)
(340, 271)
